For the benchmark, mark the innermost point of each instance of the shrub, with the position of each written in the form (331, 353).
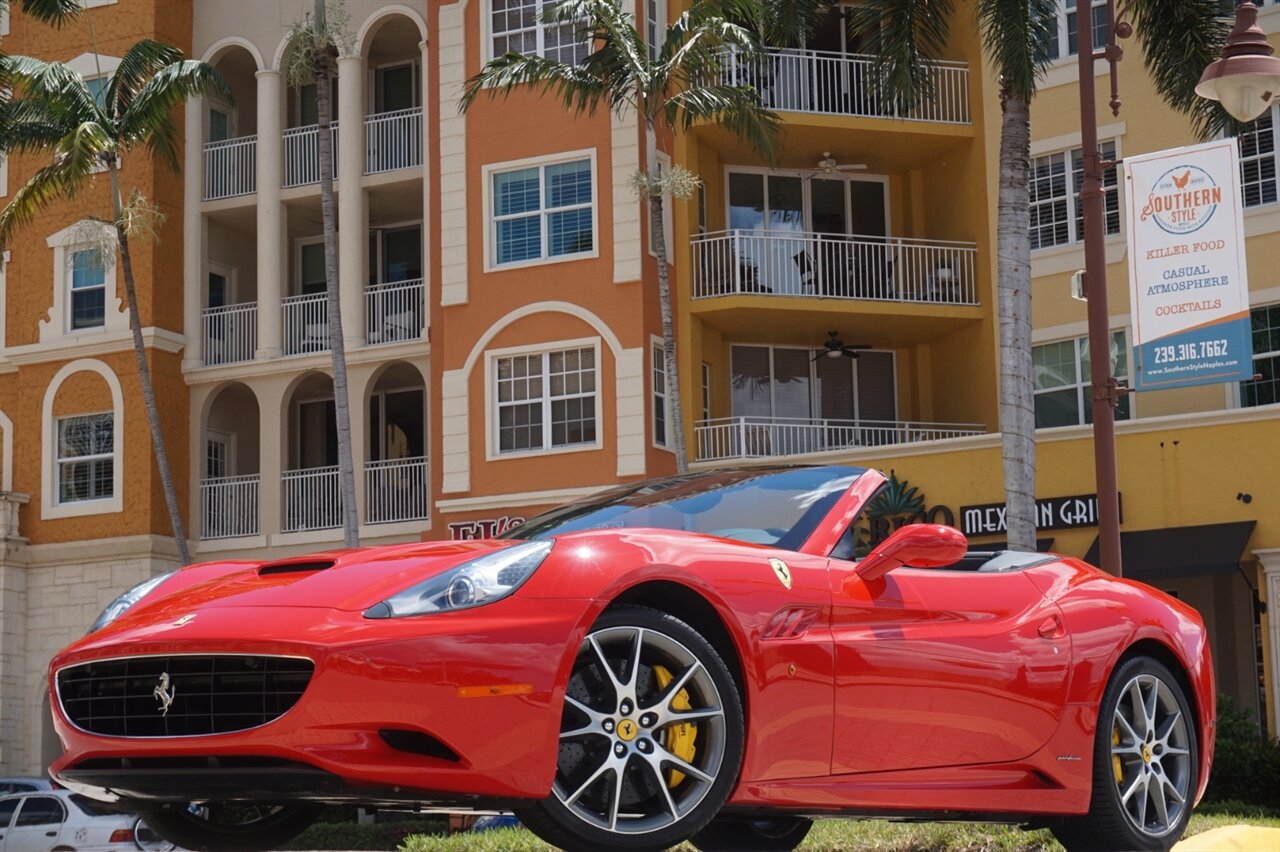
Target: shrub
(1246, 763)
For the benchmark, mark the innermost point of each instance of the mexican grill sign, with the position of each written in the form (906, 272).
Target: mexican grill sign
(1052, 513)
(1187, 287)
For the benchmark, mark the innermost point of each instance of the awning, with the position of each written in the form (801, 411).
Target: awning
(1181, 551)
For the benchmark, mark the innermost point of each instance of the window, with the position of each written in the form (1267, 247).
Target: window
(98, 89)
(219, 123)
(40, 810)
(1266, 358)
(308, 108)
(543, 212)
(546, 400)
(1061, 380)
(311, 277)
(1065, 39)
(1258, 147)
(706, 391)
(516, 28)
(86, 466)
(7, 807)
(88, 289)
(1057, 213)
(395, 87)
(655, 22)
(659, 395)
(786, 382)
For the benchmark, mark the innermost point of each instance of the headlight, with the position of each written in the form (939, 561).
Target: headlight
(120, 605)
(477, 582)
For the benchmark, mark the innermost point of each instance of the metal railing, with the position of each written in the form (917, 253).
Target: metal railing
(392, 140)
(394, 312)
(302, 154)
(306, 324)
(229, 506)
(230, 167)
(396, 490)
(765, 437)
(816, 81)
(230, 334)
(833, 266)
(312, 499)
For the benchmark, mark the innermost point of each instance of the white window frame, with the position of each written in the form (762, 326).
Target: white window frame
(50, 507)
(228, 442)
(4, 20)
(298, 245)
(655, 26)
(1083, 381)
(415, 66)
(1064, 51)
(488, 34)
(659, 397)
(59, 461)
(230, 274)
(813, 380)
(1274, 111)
(1257, 356)
(491, 358)
(488, 173)
(72, 290)
(806, 199)
(1075, 235)
(57, 327)
(376, 261)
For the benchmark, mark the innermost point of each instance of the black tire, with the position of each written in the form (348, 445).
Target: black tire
(730, 834)
(230, 827)
(146, 838)
(663, 806)
(1111, 823)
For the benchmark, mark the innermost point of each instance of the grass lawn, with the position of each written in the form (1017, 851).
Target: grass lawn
(832, 835)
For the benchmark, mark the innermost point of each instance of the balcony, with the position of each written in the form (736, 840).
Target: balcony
(884, 269)
(767, 437)
(229, 334)
(302, 154)
(394, 312)
(230, 168)
(845, 84)
(396, 490)
(229, 507)
(312, 499)
(393, 140)
(306, 324)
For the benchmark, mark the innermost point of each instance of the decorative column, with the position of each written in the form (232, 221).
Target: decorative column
(272, 237)
(1269, 559)
(428, 234)
(353, 229)
(193, 245)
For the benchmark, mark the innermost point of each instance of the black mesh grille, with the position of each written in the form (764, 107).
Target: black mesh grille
(212, 694)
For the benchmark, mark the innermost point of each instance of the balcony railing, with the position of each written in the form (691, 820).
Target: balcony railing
(815, 81)
(765, 437)
(230, 334)
(312, 499)
(394, 312)
(306, 324)
(396, 490)
(230, 167)
(832, 266)
(393, 140)
(302, 154)
(229, 506)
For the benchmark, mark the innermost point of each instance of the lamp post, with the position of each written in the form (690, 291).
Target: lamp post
(1247, 81)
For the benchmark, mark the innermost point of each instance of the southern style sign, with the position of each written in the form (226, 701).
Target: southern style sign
(1187, 287)
(1052, 513)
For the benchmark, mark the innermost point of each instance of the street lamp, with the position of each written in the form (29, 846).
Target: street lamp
(1247, 78)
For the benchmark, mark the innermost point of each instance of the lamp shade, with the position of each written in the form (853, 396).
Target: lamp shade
(1246, 80)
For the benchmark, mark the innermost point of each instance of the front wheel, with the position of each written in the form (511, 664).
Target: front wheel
(1146, 762)
(729, 834)
(651, 737)
(230, 827)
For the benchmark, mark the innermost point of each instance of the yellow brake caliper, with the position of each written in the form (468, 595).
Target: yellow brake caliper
(679, 738)
(1117, 767)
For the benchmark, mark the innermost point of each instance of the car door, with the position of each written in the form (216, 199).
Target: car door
(943, 668)
(37, 826)
(8, 807)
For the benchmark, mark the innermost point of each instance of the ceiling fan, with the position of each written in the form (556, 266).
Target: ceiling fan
(828, 165)
(834, 347)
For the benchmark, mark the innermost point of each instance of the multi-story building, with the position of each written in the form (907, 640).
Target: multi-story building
(501, 320)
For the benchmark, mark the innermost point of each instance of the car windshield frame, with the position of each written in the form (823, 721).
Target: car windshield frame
(800, 497)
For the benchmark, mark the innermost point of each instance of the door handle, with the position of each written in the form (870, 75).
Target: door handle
(51, 834)
(1052, 628)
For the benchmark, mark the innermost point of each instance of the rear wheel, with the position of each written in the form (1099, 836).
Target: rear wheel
(1145, 765)
(230, 826)
(650, 739)
(729, 834)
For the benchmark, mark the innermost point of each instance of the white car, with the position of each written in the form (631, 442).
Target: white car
(44, 820)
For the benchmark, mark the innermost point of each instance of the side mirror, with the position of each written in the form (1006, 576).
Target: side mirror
(916, 545)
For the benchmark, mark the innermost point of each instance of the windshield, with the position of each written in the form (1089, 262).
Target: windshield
(774, 506)
(90, 807)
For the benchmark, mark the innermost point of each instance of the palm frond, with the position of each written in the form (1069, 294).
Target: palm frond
(576, 88)
(149, 113)
(137, 66)
(48, 184)
(786, 23)
(27, 127)
(1179, 39)
(610, 30)
(904, 35)
(1016, 35)
(52, 12)
(63, 92)
(738, 109)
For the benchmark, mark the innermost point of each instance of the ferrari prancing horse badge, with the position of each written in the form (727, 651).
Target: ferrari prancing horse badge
(784, 573)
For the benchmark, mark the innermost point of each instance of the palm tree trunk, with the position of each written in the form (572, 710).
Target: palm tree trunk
(675, 425)
(144, 374)
(341, 399)
(1013, 246)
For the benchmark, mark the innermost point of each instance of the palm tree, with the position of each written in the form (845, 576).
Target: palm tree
(677, 89)
(314, 45)
(53, 111)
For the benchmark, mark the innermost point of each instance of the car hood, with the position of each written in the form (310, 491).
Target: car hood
(346, 580)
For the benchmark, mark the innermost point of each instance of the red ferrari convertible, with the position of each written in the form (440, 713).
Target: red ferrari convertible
(719, 657)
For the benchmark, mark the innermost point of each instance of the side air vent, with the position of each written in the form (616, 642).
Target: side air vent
(416, 742)
(293, 567)
(790, 622)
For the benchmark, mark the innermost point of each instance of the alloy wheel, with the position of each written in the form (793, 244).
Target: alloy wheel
(1151, 755)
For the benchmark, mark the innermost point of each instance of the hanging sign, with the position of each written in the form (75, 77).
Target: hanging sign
(1188, 292)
